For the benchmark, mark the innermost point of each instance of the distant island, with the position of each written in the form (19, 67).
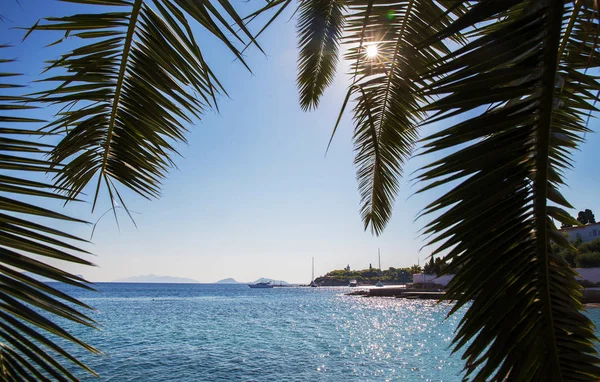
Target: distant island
(157, 279)
(182, 280)
(228, 281)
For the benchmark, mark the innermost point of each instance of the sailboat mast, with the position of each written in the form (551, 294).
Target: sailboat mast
(313, 270)
(379, 274)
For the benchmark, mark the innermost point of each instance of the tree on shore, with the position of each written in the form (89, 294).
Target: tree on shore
(415, 269)
(586, 217)
(429, 268)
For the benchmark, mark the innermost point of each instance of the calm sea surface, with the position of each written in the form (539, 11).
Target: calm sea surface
(196, 332)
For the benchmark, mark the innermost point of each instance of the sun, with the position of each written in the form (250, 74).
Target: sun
(372, 51)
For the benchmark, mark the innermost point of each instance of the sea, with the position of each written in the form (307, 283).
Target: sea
(213, 332)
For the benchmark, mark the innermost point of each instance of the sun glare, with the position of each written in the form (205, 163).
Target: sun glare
(372, 51)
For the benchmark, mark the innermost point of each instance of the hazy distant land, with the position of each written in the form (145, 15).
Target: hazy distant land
(182, 280)
(228, 281)
(157, 279)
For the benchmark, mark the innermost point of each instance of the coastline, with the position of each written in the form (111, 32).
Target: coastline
(590, 296)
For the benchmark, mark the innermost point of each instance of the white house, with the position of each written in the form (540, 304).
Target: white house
(587, 232)
(422, 278)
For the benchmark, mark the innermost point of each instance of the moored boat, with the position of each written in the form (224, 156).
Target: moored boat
(261, 285)
(353, 283)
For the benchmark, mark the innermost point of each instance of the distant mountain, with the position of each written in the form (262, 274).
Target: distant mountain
(157, 279)
(274, 282)
(228, 281)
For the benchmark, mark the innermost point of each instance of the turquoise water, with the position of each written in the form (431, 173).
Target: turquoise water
(182, 332)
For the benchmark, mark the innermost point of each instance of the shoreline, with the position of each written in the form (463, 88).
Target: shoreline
(590, 296)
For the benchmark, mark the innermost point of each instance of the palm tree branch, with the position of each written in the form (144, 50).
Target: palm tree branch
(340, 114)
(23, 239)
(394, 59)
(570, 25)
(127, 93)
(362, 37)
(282, 4)
(507, 162)
(319, 29)
(550, 59)
(321, 49)
(137, 6)
(384, 107)
(393, 81)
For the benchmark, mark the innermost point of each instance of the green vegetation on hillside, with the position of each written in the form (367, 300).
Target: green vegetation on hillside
(390, 276)
(368, 276)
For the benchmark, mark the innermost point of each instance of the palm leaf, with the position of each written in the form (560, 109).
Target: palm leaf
(26, 304)
(128, 92)
(386, 88)
(387, 111)
(320, 25)
(505, 166)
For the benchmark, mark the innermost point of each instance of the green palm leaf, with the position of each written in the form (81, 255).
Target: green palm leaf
(388, 95)
(386, 87)
(320, 25)
(130, 90)
(505, 166)
(26, 304)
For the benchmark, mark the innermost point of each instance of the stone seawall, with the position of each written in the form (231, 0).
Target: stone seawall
(590, 295)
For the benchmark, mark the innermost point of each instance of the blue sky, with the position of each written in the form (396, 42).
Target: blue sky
(254, 196)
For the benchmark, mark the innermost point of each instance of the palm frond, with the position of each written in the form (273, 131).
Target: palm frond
(505, 166)
(387, 89)
(128, 92)
(320, 24)
(27, 305)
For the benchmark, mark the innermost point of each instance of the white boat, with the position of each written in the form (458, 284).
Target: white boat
(261, 285)
(313, 283)
(352, 283)
(379, 283)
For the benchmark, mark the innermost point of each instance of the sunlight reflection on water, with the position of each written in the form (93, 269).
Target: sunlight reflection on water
(224, 333)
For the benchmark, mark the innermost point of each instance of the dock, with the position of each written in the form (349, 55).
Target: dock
(422, 295)
(400, 292)
(589, 296)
